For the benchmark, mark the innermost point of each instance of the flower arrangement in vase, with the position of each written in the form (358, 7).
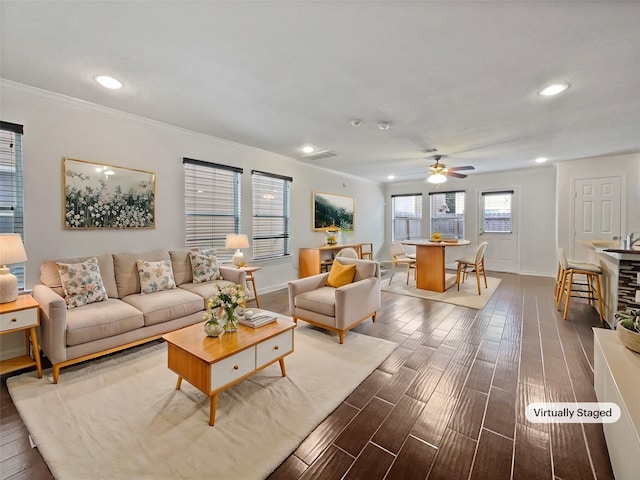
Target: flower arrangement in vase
(222, 306)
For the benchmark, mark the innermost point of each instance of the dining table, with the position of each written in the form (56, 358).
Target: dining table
(430, 263)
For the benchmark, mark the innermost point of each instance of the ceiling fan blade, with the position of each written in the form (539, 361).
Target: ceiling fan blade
(454, 174)
(466, 167)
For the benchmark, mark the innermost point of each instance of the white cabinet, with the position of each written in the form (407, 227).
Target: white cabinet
(616, 373)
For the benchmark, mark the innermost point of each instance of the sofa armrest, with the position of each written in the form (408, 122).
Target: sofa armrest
(357, 300)
(234, 275)
(301, 285)
(53, 323)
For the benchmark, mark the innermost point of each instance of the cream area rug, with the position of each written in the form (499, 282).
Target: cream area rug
(120, 416)
(466, 297)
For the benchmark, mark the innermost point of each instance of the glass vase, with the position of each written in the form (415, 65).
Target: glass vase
(213, 328)
(230, 320)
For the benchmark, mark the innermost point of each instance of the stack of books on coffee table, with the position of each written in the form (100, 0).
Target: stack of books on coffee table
(258, 319)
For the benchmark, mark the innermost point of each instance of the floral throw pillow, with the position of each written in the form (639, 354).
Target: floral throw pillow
(155, 276)
(204, 265)
(82, 283)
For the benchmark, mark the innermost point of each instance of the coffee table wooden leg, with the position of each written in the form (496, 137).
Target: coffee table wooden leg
(212, 409)
(282, 367)
(179, 382)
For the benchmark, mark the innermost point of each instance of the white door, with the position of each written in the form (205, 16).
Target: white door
(597, 214)
(499, 228)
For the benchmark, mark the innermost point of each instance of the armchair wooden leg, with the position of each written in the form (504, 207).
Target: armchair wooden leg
(373, 317)
(341, 334)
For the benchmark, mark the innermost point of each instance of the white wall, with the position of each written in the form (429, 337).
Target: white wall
(627, 166)
(57, 127)
(536, 213)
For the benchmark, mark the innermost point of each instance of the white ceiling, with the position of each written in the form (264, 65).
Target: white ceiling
(458, 76)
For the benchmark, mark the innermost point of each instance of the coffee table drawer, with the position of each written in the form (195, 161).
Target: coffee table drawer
(232, 368)
(274, 348)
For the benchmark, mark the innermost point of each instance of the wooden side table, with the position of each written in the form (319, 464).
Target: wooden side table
(23, 314)
(251, 278)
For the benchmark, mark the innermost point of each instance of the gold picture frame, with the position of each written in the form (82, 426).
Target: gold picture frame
(332, 210)
(98, 195)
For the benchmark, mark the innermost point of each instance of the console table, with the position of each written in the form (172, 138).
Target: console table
(310, 259)
(616, 370)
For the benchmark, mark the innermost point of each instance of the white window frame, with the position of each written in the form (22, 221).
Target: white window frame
(447, 213)
(212, 205)
(409, 219)
(11, 188)
(271, 215)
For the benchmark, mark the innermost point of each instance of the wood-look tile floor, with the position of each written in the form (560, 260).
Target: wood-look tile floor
(447, 404)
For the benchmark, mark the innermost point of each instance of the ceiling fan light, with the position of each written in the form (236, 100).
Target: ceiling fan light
(436, 178)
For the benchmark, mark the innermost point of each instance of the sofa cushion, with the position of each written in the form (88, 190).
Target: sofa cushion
(50, 276)
(82, 283)
(126, 270)
(155, 276)
(101, 320)
(340, 274)
(204, 266)
(204, 289)
(162, 306)
(181, 266)
(321, 300)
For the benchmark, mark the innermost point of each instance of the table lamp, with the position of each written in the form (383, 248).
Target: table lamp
(11, 251)
(237, 241)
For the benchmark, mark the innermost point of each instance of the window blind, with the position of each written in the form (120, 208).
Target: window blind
(11, 191)
(271, 212)
(212, 205)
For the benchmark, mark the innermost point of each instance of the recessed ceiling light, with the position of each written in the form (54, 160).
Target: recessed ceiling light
(109, 82)
(390, 177)
(541, 159)
(308, 149)
(356, 122)
(553, 89)
(384, 125)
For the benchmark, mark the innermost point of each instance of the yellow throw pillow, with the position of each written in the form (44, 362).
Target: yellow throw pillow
(341, 274)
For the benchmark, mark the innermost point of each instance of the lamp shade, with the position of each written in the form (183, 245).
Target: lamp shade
(237, 241)
(11, 249)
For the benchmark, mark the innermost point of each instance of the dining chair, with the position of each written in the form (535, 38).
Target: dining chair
(400, 257)
(366, 250)
(478, 265)
(567, 285)
(347, 252)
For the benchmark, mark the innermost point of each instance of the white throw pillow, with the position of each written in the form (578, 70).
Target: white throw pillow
(204, 265)
(82, 283)
(155, 276)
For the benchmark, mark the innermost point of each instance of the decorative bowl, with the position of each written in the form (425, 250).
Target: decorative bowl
(629, 338)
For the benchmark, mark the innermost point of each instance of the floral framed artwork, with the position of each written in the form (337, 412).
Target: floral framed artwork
(333, 210)
(97, 195)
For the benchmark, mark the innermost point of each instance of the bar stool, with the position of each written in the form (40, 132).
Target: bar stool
(592, 273)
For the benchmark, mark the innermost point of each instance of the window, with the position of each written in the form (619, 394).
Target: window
(496, 217)
(447, 214)
(271, 210)
(407, 216)
(11, 201)
(212, 205)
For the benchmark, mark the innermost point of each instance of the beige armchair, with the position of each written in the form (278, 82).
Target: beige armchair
(337, 309)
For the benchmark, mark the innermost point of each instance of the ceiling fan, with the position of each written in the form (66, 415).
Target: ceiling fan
(440, 172)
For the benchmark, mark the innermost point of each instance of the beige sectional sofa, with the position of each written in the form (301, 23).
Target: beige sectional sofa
(127, 317)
